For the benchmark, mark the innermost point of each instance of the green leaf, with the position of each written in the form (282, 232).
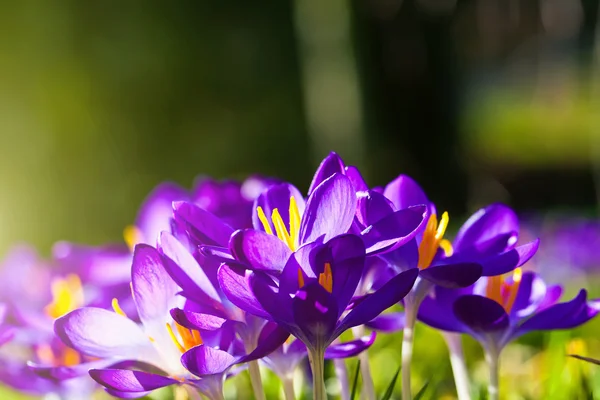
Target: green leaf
(421, 392)
(355, 381)
(390, 389)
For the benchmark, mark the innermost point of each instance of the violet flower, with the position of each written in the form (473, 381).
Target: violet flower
(497, 310)
(313, 293)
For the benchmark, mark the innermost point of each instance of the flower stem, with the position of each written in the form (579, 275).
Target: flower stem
(257, 386)
(342, 374)
(459, 367)
(288, 388)
(368, 388)
(317, 364)
(410, 313)
(493, 362)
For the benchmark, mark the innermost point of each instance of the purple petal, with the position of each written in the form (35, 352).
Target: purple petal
(316, 313)
(404, 192)
(356, 178)
(271, 338)
(531, 294)
(372, 207)
(197, 321)
(480, 313)
(203, 227)
(204, 360)
(453, 275)
(395, 230)
(350, 349)
(485, 224)
(390, 322)
(330, 210)
(104, 334)
(236, 286)
(153, 289)
(277, 197)
(508, 261)
(561, 316)
(389, 294)
(259, 250)
(185, 270)
(330, 165)
(124, 380)
(63, 372)
(439, 315)
(125, 395)
(157, 210)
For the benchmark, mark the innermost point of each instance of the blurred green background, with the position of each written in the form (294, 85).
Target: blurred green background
(479, 100)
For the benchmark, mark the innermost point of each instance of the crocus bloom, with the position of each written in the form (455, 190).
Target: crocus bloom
(313, 293)
(497, 310)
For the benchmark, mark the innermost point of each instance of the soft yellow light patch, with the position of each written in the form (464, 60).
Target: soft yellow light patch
(289, 237)
(68, 357)
(433, 238)
(132, 236)
(67, 295)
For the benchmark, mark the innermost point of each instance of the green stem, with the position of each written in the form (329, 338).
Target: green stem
(288, 388)
(317, 364)
(410, 313)
(459, 367)
(493, 360)
(257, 386)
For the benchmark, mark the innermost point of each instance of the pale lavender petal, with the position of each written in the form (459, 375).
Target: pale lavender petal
(157, 210)
(202, 226)
(204, 360)
(259, 250)
(100, 333)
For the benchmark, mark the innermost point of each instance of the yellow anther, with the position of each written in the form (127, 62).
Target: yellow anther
(174, 338)
(67, 295)
(433, 239)
(263, 219)
(189, 337)
(326, 278)
(70, 357)
(47, 355)
(117, 308)
(280, 228)
(132, 236)
(441, 229)
(446, 245)
(294, 222)
(289, 237)
(300, 278)
(502, 292)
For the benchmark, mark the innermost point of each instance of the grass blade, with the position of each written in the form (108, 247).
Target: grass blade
(422, 391)
(390, 389)
(355, 381)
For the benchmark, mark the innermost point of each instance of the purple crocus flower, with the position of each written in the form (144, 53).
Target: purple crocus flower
(497, 310)
(311, 298)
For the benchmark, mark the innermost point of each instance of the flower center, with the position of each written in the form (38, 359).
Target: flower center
(504, 292)
(189, 337)
(64, 357)
(290, 238)
(325, 278)
(433, 239)
(132, 236)
(67, 295)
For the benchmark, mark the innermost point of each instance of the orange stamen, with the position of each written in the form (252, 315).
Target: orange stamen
(326, 278)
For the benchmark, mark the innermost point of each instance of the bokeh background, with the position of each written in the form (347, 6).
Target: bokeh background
(479, 100)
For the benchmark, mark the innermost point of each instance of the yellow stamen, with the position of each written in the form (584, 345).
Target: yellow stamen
(300, 278)
(280, 228)
(70, 357)
(132, 236)
(446, 245)
(494, 289)
(189, 337)
(433, 239)
(441, 229)
(46, 354)
(67, 295)
(117, 308)
(326, 278)
(294, 222)
(513, 289)
(263, 219)
(174, 338)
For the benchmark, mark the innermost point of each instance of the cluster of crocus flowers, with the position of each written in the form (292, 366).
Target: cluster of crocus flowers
(230, 276)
